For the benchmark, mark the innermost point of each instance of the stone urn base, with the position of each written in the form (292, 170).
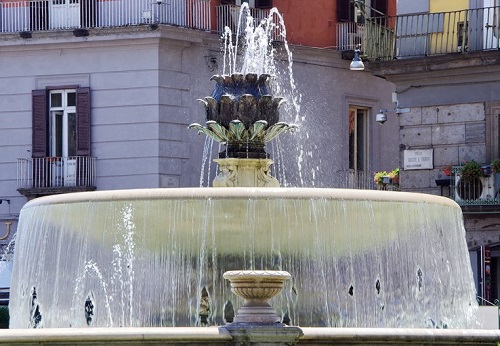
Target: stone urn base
(235, 172)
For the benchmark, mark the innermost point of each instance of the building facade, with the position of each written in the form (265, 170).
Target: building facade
(98, 95)
(445, 64)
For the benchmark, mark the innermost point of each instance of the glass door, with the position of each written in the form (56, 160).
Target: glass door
(64, 14)
(62, 146)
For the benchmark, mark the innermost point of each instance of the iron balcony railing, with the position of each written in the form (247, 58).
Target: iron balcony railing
(41, 15)
(373, 37)
(484, 190)
(56, 172)
(423, 34)
(229, 16)
(354, 179)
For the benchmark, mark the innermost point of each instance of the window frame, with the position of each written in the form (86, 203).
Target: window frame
(41, 123)
(354, 158)
(61, 135)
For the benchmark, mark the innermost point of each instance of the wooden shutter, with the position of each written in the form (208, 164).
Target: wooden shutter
(83, 122)
(40, 123)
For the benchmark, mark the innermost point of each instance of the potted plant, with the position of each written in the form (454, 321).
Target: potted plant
(379, 179)
(495, 166)
(394, 175)
(470, 186)
(447, 170)
(471, 171)
(384, 178)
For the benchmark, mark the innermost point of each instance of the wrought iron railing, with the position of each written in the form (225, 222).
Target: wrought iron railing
(41, 15)
(447, 32)
(479, 191)
(373, 37)
(353, 179)
(423, 34)
(56, 172)
(350, 35)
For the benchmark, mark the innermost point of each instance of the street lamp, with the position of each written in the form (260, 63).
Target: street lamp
(357, 63)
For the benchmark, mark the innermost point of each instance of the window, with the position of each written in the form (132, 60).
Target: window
(347, 12)
(61, 137)
(263, 3)
(358, 138)
(251, 3)
(61, 122)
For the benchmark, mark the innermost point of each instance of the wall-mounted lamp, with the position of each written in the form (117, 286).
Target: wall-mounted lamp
(357, 63)
(381, 117)
(6, 200)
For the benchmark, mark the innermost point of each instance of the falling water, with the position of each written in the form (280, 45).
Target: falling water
(378, 270)
(156, 257)
(257, 48)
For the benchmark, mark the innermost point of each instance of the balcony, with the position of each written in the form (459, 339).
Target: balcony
(423, 34)
(373, 37)
(42, 15)
(53, 175)
(482, 191)
(51, 15)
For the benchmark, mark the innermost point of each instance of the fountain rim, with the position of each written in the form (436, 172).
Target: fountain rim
(197, 193)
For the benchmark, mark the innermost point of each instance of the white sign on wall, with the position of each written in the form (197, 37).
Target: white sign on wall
(418, 159)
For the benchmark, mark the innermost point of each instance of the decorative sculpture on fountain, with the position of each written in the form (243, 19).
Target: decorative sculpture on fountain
(243, 115)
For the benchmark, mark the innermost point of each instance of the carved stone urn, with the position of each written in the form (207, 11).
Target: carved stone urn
(257, 287)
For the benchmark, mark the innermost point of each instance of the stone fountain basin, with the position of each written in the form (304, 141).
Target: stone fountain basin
(357, 257)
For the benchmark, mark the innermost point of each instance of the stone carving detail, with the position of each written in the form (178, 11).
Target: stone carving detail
(244, 173)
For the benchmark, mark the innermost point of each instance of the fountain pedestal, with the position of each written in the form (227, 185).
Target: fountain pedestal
(236, 172)
(256, 322)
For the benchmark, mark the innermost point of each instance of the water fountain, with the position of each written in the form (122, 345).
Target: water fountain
(156, 258)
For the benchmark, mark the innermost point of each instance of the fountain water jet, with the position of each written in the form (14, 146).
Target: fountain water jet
(355, 260)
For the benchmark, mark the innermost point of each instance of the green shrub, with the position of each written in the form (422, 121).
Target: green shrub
(471, 171)
(4, 317)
